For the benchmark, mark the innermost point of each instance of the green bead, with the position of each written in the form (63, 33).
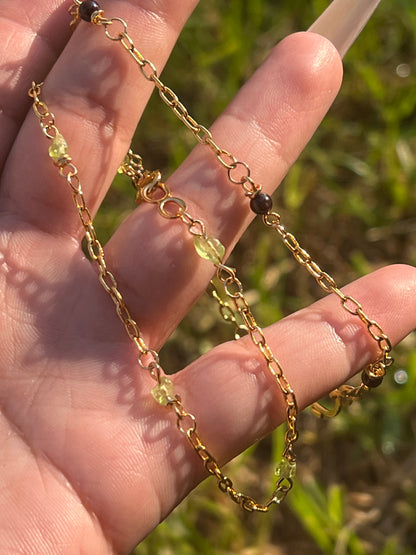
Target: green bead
(163, 391)
(124, 165)
(58, 148)
(209, 248)
(286, 469)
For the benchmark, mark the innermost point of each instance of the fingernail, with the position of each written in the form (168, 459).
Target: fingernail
(343, 21)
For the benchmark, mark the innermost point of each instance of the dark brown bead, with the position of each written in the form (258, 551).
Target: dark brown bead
(371, 381)
(87, 9)
(261, 203)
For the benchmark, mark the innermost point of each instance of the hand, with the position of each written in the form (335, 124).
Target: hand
(88, 461)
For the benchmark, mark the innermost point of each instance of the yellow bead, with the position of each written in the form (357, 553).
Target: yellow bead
(286, 469)
(163, 391)
(124, 165)
(58, 148)
(209, 248)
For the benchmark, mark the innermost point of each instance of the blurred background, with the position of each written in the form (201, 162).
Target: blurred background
(350, 199)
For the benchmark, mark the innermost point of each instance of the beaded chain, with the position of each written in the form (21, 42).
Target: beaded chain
(151, 189)
(235, 309)
(261, 204)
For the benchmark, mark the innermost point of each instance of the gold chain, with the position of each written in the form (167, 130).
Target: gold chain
(228, 313)
(115, 30)
(151, 189)
(148, 359)
(373, 373)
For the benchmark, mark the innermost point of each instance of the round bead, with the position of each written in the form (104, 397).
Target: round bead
(371, 381)
(87, 9)
(261, 203)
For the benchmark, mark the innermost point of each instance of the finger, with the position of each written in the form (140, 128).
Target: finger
(267, 125)
(139, 454)
(97, 94)
(334, 346)
(33, 35)
(235, 400)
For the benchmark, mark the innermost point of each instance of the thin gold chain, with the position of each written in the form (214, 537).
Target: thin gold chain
(228, 313)
(151, 189)
(239, 173)
(148, 359)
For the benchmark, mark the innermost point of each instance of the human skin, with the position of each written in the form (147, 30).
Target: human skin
(89, 463)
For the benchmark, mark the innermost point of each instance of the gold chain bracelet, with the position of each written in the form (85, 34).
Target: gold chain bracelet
(235, 308)
(149, 187)
(372, 375)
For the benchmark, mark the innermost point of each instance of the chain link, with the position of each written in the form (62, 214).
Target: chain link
(228, 313)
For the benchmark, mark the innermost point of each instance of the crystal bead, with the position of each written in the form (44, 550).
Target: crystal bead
(286, 469)
(163, 391)
(124, 165)
(209, 248)
(58, 148)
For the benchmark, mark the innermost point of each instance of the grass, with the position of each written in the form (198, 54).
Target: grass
(351, 199)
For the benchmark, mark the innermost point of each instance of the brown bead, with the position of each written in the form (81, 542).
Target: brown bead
(371, 381)
(261, 203)
(87, 9)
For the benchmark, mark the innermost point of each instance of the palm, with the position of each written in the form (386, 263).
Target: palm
(88, 461)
